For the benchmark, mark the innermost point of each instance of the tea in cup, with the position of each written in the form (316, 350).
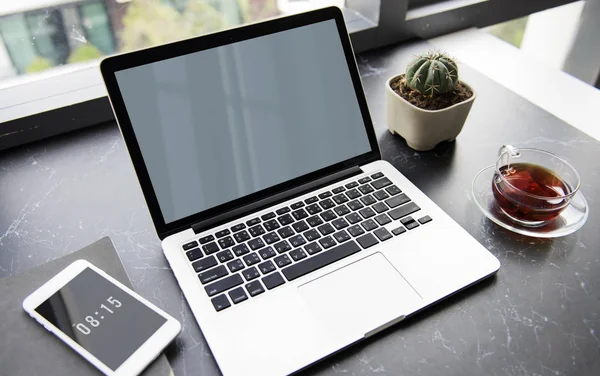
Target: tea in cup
(532, 186)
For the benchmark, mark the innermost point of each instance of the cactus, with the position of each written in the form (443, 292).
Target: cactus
(434, 73)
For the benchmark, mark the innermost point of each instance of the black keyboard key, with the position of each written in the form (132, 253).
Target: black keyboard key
(313, 209)
(327, 204)
(300, 226)
(338, 190)
(238, 295)
(406, 220)
(311, 200)
(340, 223)
(297, 205)
(194, 254)
(190, 245)
(282, 246)
(238, 227)
(266, 267)
(313, 248)
(404, 210)
(353, 218)
(204, 264)
(250, 273)
(297, 241)
(251, 259)
(271, 238)
(206, 239)
(240, 249)
(220, 234)
(226, 242)
(210, 248)
(382, 219)
(267, 253)
(282, 211)
(351, 185)
(341, 236)
(364, 180)
(282, 260)
(341, 210)
(322, 259)
(381, 195)
(399, 230)
(285, 219)
(365, 189)
(256, 244)
(411, 225)
(377, 175)
(297, 254)
(314, 221)
(285, 232)
(356, 230)
(353, 194)
(393, 190)
(355, 205)
(254, 288)
(327, 242)
(311, 235)
(253, 221)
(271, 225)
(241, 236)
(300, 214)
(273, 280)
(267, 216)
(378, 184)
(397, 200)
(368, 200)
(223, 285)
(367, 240)
(326, 229)
(225, 256)
(328, 215)
(235, 265)
(369, 225)
(425, 219)
(256, 230)
(212, 274)
(220, 302)
(367, 213)
(324, 195)
(379, 207)
(382, 234)
(340, 199)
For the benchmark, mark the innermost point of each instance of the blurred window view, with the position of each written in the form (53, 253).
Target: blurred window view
(41, 35)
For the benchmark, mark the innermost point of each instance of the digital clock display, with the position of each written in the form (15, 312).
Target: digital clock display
(102, 318)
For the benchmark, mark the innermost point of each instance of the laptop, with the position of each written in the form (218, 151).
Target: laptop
(289, 236)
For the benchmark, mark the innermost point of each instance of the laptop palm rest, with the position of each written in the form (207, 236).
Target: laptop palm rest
(365, 296)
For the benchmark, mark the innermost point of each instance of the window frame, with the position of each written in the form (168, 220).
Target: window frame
(76, 107)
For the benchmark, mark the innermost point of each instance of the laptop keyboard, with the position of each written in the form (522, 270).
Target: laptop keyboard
(265, 252)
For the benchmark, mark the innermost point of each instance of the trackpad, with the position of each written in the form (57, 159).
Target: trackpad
(361, 296)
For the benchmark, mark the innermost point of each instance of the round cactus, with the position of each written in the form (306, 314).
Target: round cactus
(434, 73)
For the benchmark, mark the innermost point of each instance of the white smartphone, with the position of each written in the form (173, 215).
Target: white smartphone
(111, 326)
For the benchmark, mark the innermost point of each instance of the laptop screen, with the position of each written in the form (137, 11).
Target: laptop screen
(220, 124)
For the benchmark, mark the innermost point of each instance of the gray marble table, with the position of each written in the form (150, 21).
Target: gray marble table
(538, 316)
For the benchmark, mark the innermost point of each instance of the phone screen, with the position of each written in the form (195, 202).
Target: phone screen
(101, 317)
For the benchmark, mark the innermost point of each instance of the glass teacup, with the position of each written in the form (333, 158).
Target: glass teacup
(532, 186)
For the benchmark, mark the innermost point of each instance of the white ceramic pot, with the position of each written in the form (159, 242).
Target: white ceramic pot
(424, 129)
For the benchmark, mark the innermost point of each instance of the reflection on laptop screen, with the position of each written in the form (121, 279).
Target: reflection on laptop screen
(223, 123)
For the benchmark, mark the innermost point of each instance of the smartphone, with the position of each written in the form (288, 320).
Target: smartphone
(107, 323)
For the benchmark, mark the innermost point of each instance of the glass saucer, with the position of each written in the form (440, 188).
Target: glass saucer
(570, 220)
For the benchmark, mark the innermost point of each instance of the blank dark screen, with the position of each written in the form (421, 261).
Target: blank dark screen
(118, 334)
(220, 124)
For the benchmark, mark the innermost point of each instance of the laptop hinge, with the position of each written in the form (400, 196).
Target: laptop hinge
(274, 199)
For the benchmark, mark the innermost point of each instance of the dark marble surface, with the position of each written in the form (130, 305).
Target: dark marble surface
(538, 316)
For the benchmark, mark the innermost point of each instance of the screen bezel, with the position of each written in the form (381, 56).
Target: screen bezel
(111, 65)
(140, 358)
